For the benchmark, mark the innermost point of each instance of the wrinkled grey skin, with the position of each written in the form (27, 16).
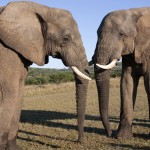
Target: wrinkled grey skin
(29, 33)
(123, 33)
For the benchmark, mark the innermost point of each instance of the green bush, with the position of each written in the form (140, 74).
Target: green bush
(36, 81)
(30, 81)
(40, 76)
(115, 73)
(60, 77)
(44, 76)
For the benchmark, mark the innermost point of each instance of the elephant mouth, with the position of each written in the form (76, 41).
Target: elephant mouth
(74, 68)
(56, 55)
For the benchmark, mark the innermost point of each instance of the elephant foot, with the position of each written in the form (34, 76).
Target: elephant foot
(12, 146)
(80, 139)
(109, 133)
(124, 134)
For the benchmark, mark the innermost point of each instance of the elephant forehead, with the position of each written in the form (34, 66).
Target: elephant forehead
(115, 26)
(53, 28)
(118, 18)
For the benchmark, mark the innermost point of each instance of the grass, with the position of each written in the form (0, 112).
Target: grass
(48, 119)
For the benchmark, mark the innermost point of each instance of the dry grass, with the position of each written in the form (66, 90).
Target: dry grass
(48, 119)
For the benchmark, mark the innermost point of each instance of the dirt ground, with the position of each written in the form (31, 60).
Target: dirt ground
(48, 119)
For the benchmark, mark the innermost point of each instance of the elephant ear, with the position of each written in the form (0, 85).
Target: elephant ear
(142, 41)
(21, 30)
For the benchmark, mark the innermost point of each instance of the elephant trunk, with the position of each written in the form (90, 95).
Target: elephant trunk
(81, 95)
(102, 81)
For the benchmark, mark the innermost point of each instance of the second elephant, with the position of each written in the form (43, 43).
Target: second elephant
(123, 33)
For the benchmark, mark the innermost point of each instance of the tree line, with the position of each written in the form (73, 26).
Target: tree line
(39, 76)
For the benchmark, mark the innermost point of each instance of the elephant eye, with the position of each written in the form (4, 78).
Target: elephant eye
(65, 39)
(121, 34)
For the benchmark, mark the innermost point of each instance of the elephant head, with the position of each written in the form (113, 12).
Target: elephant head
(36, 32)
(121, 33)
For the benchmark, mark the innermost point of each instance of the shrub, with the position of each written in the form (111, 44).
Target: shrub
(45, 76)
(40, 76)
(60, 77)
(115, 73)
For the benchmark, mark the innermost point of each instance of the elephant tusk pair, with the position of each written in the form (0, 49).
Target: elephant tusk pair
(79, 73)
(109, 66)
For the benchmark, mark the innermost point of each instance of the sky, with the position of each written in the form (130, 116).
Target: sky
(88, 15)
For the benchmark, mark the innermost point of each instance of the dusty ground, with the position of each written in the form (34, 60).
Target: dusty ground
(48, 119)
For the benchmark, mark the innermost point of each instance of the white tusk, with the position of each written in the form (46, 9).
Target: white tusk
(79, 73)
(109, 66)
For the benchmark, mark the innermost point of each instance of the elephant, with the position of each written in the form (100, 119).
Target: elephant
(122, 34)
(30, 33)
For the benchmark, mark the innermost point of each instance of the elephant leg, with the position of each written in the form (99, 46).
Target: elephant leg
(13, 130)
(9, 95)
(12, 74)
(147, 88)
(129, 83)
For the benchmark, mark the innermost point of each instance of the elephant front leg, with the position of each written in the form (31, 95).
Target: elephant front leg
(9, 92)
(13, 130)
(128, 88)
